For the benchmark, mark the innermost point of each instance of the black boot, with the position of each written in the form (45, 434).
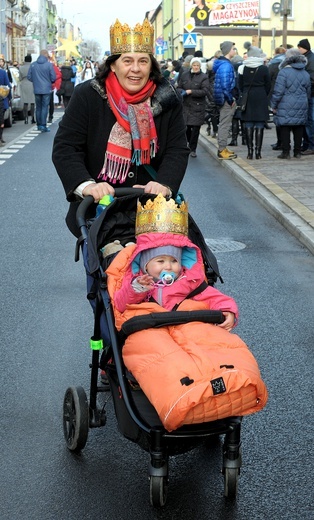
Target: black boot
(234, 132)
(243, 132)
(278, 145)
(285, 155)
(25, 113)
(249, 142)
(259, 133)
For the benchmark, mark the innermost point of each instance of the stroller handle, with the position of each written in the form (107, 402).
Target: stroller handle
(89, 200)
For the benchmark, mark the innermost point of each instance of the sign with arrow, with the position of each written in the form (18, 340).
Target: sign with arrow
(159, 50)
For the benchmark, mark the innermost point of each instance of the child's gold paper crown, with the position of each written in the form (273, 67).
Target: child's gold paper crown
(161, 216)
(125, 39)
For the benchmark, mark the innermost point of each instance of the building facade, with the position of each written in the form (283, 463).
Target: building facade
(200, 25)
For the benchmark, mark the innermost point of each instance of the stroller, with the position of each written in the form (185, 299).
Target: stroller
(137, 420)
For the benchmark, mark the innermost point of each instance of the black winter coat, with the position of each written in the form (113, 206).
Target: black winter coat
(194, 104)
(81, 140)
(257, 105)
(67, 86)
(310, 68)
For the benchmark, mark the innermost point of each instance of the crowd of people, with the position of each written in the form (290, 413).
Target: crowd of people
(212, 93)
(286, 97)
(41, 86)
(242, 91)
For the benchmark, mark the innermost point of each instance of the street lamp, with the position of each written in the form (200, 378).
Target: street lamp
(285, 13)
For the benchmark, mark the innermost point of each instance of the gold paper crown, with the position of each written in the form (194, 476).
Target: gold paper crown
(4, 91)
(125, 39)
(162, 216)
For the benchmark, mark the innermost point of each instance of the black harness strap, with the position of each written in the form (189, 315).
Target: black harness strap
(165, 319)
(196, 291)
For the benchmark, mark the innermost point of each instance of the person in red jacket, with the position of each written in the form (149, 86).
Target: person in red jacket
(55, 87)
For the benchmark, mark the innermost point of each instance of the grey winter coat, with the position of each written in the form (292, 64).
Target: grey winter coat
(273, 67)
(292, 92)
(194, 104)
(26, 86)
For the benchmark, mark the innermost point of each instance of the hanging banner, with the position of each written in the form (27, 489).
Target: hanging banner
(200, 13)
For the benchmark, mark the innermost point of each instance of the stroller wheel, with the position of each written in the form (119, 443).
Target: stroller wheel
(158, 490)
(75, 418)
(231, 476)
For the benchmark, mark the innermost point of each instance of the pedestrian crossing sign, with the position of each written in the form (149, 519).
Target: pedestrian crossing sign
(189, 40)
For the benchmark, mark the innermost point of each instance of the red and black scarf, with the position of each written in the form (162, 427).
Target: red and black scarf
(135, 128)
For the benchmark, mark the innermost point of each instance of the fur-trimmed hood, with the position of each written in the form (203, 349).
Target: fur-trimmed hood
(298, 62)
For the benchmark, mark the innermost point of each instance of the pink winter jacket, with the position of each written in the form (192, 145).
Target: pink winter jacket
(168, 296)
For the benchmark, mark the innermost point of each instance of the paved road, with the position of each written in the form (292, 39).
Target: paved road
(284, 188)
(46, 322)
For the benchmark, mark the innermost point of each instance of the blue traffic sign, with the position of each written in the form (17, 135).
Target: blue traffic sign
(159, 50)
(189, 40)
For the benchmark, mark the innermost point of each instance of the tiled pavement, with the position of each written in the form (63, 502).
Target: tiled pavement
(284, 187)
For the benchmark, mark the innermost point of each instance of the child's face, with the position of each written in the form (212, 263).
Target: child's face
(163, 263)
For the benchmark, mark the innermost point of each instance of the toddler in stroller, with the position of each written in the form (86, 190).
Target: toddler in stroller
(199, 378)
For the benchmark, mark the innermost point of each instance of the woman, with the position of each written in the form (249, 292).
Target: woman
(88, 71)
(94, 149)
(194, 86)
(27, 90)
(212, 111)
(55, 88)
(289, 101)
(74, 69)
(273, 67)
(67, 86)
(254, 79)
(237, 116)
(199, 14)
(6, 97)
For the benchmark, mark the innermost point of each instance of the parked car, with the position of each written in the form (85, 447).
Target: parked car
(8, 117)
(17, 108)
(16, 102)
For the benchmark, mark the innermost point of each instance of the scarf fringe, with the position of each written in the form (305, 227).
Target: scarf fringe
(115, 168)
(143, 156)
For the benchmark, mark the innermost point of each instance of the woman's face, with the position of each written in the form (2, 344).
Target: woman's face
(196, 67)
(132, 71)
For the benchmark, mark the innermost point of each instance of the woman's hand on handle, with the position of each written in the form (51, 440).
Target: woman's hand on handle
(98, 190)
(155, 188)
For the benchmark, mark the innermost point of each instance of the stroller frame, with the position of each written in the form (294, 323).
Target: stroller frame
(79, 414)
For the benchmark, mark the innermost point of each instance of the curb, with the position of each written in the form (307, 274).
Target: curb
(293, 215)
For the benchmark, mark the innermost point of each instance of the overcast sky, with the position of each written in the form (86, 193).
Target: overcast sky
(96, 16)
